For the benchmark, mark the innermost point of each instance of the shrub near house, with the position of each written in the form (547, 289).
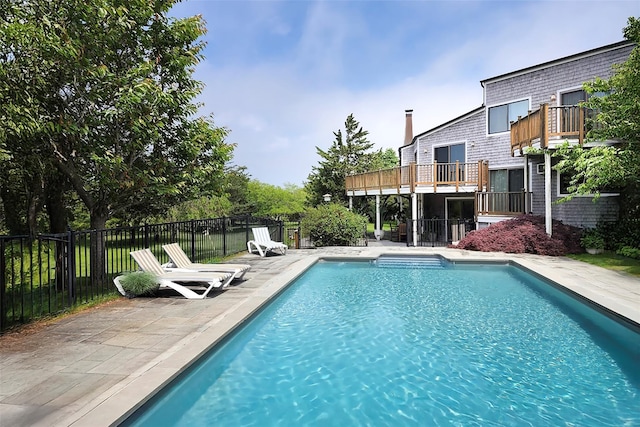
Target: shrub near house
(333, 225)
(593, 241)
(524, 234)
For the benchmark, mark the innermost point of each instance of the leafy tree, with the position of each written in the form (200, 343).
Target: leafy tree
(384, 159)
(276, 202)
(201, 208)
(598, 168)
(236, 188)
(103, 91)
(347, 155)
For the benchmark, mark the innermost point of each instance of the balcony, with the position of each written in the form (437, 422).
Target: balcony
(421, 178)
(503, 203)
(547, 124)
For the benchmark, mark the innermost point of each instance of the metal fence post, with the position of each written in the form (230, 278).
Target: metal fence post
(192, 225)
(3, 285)
(146, 235)
(224, 236)
(246, 227)
(71, 264)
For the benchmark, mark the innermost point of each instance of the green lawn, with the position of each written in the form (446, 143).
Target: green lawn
(611, 261)
(371, 227)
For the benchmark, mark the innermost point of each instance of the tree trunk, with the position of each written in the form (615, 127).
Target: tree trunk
(57, 212)
(56, 208)
(97, 246)
(34, 194)
(13, 214)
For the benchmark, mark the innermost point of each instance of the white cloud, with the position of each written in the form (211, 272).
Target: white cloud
(280, 106)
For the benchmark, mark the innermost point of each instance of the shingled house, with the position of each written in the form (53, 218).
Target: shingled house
(474, 170)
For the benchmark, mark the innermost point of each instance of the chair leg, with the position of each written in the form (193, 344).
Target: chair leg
(183, 290)
(255, 245)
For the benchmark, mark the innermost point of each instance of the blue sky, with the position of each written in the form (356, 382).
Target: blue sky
(282, 76)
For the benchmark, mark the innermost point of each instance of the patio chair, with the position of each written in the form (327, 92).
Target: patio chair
(180, 260)
(263, 244)
(185, 282)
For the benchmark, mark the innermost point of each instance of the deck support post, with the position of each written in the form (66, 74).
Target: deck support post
(547, 193)
(527, 208)
(378, 231)
(414, 218)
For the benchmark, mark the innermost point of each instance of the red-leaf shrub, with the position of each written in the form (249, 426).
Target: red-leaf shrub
(524, 234)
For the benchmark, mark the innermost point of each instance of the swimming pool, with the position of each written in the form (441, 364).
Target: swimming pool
(353, 343)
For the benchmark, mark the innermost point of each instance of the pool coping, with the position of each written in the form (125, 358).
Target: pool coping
(615, 292)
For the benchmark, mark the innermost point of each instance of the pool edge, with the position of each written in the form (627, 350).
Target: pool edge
(140, 387)
(107, 409)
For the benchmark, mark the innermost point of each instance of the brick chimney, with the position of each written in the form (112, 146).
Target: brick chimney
(408, 127)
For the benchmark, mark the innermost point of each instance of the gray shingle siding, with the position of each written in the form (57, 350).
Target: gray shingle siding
(406, 154)
(540, 84)
(585, 211)
(479, 146)
(463, 131)
(580, 211)
(537, 84)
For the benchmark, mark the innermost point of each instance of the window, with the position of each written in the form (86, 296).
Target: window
(573, 98)
(509, 182)
(506, 180)
(568, 116)
(446, 157)
(449, 154)
(576, 96)
(501, 116)
(564, 182)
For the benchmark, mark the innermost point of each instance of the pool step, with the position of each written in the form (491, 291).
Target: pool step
(410, 262)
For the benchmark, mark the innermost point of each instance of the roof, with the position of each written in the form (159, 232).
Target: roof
(574, 57)
(446, 124)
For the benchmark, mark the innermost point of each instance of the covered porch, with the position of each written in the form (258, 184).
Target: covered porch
(469, 181)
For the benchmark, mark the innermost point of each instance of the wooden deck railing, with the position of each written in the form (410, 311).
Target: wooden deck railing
(416, 175)
(502, 203)
(380, 180)
(550, 122)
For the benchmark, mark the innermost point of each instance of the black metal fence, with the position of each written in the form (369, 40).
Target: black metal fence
(48, 274)
(439, 232)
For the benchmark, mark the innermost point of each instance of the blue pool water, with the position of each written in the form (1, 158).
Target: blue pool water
(351, 343)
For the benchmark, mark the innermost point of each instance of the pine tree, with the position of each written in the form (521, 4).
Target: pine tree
(347, 155)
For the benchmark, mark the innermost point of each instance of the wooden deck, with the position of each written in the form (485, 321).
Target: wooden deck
(422, 178)
(440, 177)
(548, 123)
(502, 203)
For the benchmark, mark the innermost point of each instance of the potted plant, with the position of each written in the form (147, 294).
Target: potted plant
(136, 284)
(593, 241)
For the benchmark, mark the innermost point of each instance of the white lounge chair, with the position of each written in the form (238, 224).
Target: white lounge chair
(263, 243)
(177, 280)
(180, 260)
